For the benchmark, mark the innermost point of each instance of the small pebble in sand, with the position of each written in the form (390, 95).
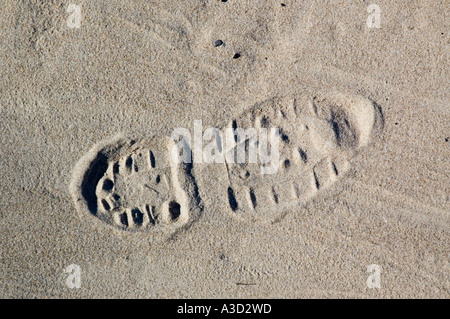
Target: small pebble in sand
(218, 43)
(237, 56)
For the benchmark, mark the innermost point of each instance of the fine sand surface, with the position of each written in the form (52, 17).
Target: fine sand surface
(88, 177)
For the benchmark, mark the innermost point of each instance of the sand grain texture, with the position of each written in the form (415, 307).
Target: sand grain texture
(116, 88)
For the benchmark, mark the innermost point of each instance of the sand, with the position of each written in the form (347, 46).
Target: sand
(94, 205)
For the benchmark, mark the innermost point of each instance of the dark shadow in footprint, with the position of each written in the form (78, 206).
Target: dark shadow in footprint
(232, 199)
(108, 185)
(124, 219)
(187, 168)
(91, 179)
(174, 210)
(138, 217)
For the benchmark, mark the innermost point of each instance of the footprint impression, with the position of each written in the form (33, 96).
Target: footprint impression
(138, 186)
(316, 144)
